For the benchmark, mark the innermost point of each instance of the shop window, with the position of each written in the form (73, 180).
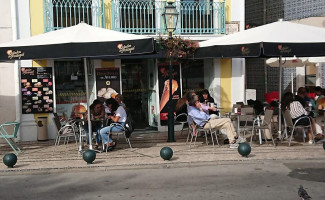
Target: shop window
(193, 76)
(310, 78)
(70, 87)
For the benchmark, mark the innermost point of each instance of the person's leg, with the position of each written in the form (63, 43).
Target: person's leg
(87, 132)
(104, 134)
(96, 129)
(319, 120)
(223, 123)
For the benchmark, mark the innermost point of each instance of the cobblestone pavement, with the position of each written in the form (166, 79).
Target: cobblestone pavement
(37, 156)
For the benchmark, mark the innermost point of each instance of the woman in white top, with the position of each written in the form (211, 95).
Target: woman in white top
(119, 116)
(297, 111)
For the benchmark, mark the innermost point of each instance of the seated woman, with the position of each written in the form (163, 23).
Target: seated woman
(205, 98)
(297, 111)
(119, 116)
(97, 113)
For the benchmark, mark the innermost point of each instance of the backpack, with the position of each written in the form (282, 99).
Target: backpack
(129, 126)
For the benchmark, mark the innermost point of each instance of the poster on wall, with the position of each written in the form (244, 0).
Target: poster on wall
(107, 83)
(36, 90)
(163, 77)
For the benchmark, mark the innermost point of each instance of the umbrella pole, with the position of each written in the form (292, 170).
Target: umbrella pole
(280, 94)
(88, 108)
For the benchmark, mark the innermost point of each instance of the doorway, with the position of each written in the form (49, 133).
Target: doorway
(139, 93)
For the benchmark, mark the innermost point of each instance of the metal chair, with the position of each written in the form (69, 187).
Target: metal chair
(197, 129)
(288, 124)
(264, 126)
(179, 120)
(118, 133)
(64, 131)
(9, 137)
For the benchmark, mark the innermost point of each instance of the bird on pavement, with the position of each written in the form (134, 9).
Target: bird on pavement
(303, 193)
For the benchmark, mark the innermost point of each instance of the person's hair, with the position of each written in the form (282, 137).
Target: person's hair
(189, 95)
(114, 104)
(286, 100)
(95, 103)
(180, 103)
(119, 96)
(318, 89)
(302, 90)
(192, 101)
(201, 98)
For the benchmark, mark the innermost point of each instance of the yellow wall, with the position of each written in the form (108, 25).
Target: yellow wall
(226, 71)
(36, 17)
(228, 10)
(37, 24)
(225, 84)
(108, 14)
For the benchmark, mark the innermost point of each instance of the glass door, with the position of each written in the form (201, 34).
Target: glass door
(138, 81)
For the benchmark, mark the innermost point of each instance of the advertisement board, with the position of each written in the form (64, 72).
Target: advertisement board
(163, 78)
(36, 90)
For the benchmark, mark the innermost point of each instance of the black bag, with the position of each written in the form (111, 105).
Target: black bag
(129, 126)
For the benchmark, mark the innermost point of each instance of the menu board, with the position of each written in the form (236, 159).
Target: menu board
(107, 83)
(36, 90)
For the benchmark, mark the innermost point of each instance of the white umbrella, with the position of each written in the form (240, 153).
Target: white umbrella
(80, 41)
(287, 62)
(278, 39)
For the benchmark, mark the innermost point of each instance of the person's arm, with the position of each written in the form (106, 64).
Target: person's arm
(114, 118)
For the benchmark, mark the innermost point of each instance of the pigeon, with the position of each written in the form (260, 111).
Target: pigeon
(303, 193)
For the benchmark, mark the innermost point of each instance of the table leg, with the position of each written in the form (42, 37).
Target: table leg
(259, 130)
(238, 124)
(80, 140)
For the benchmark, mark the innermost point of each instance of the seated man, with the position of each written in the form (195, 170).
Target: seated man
(199, 116)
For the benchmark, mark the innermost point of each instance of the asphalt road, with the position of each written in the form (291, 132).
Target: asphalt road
(237, 180)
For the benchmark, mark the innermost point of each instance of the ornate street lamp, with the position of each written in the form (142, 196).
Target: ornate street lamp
(170, 16)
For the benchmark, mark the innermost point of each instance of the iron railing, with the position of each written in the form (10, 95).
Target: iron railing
(145, 16)
(65, 13)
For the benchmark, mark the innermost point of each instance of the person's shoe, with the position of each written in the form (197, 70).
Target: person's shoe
(226, 141)
(310, 142)
(240, 140)
(233, 146)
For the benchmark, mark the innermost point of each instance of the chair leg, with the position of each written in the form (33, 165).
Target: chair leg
(216, 138)
(253, 132)
(13, 148)
(291, 137)
(211, 132)
(16, 145)
(128, 141)
(188, 135)
(206, 137)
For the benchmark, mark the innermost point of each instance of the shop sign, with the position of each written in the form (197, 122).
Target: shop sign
(107, 83)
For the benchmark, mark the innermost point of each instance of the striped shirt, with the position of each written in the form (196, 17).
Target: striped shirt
(296, 109)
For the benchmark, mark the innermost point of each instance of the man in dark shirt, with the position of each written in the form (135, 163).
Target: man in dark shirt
(301, 94)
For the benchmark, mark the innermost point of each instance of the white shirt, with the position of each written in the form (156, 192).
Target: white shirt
(121, 113)
(296, 109)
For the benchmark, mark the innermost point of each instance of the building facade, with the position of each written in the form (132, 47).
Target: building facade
(138, 78)
(260, 76)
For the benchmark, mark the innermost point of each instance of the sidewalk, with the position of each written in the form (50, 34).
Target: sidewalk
(37, 156)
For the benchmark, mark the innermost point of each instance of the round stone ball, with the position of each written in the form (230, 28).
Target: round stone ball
(244, 149)
(89, 156)
(10, 160)
(166, 153)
